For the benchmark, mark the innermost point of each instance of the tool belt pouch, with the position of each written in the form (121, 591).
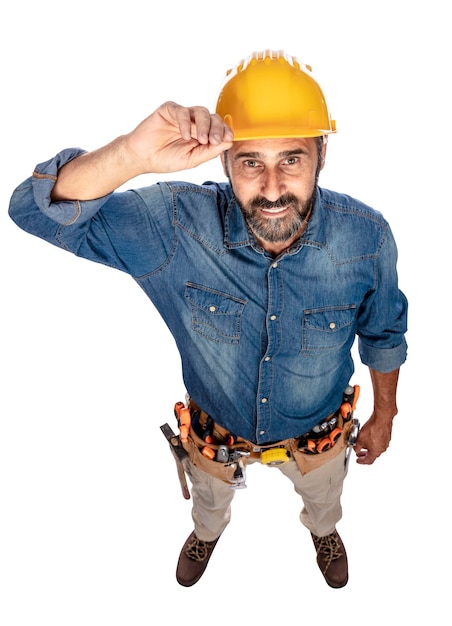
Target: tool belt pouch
(308, 462)
(222, 471)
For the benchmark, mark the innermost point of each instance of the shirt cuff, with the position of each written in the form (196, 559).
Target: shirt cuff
(65, 212)
(382, 359)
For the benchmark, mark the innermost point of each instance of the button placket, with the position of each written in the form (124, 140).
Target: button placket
(274, 308)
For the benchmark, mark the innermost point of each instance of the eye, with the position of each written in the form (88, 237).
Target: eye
(291, 160)
(250, 163)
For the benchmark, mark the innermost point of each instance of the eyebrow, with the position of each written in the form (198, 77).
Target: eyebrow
(260, 155)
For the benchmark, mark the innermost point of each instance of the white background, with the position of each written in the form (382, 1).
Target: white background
(91, 515)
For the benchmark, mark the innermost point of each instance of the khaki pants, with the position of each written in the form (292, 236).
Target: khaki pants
(319, 489)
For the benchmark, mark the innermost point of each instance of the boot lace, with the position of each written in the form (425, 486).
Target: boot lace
(197, 549)
(328, 548)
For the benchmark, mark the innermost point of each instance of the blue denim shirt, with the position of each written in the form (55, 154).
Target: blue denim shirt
(265, 343)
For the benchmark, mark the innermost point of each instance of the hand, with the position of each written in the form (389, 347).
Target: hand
(172, 139)
(373, 440)
(175, 138)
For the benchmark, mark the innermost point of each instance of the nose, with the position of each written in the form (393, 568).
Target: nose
(272, 184)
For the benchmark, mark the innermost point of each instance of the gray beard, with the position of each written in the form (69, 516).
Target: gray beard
(276, 230)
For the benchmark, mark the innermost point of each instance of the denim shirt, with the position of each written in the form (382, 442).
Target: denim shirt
(265, 342)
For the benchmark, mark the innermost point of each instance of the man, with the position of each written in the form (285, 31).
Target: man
(264, 281)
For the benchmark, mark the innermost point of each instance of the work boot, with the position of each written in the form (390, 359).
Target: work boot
(193, 560)
(332, 559)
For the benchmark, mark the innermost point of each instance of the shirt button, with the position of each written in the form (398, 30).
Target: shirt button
(272, 317)
(212, 308)
(275, 264)
(262, 432)
(264, 400)
(267, 358)
(332, 325)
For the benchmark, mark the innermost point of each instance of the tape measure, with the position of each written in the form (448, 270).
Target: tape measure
(274, 456)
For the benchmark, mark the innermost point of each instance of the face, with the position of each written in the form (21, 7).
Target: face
(274, 182)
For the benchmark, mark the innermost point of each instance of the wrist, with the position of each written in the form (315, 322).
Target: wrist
(129, 159)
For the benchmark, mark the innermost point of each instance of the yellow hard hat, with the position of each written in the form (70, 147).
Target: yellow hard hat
(272, 95)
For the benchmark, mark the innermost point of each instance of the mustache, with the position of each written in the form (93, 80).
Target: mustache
(282, 201)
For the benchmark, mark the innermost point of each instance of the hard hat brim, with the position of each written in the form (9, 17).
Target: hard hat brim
(252, 135)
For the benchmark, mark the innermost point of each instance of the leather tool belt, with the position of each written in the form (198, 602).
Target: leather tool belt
(218, 452)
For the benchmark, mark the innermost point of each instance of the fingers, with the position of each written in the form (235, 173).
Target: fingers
(368, 450)
(198, 123)
(363, 457)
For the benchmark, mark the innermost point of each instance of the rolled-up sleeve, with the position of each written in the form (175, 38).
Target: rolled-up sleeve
(129, 230)
(43, 181)
(382, 319)
(32, 199)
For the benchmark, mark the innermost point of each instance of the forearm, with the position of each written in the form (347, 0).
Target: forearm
(95, 174)
(385, 394)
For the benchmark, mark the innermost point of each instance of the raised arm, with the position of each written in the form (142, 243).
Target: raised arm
(171, 139)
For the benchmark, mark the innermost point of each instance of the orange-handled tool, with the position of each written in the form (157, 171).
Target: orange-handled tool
(357, 389)
(184, 424)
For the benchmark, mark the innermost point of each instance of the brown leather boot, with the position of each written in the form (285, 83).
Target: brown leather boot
(193, 559)
(332, 559)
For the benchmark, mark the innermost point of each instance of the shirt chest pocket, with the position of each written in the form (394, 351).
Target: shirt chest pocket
(214, 314)
(327, 328)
